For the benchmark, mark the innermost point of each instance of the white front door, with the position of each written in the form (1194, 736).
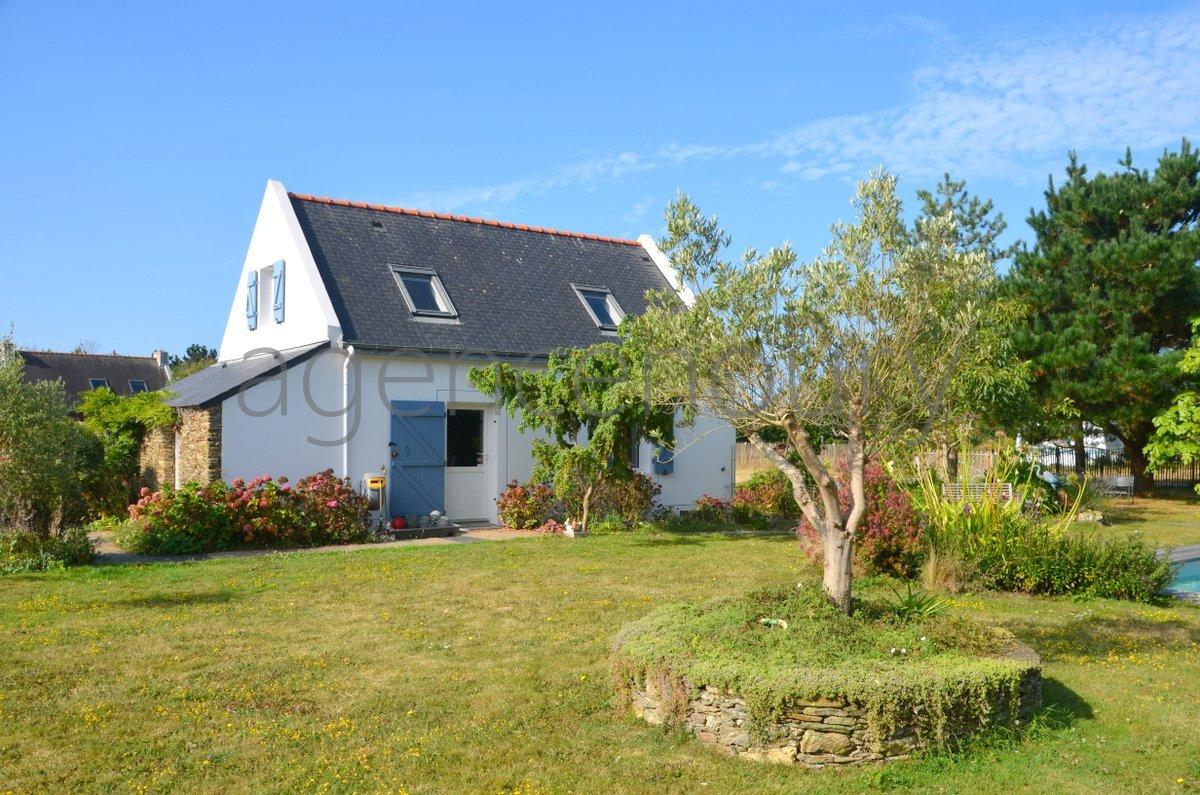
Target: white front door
(467, 497)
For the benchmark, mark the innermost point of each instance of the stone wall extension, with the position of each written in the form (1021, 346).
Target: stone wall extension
(157, 458)
(199, 444)
(817, 734)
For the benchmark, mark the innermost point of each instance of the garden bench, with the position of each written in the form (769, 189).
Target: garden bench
(972, 492)
(1118, 486)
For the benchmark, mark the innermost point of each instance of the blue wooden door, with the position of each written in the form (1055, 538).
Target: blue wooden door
(418, 472)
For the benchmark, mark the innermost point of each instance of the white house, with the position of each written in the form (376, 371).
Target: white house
(353, 327)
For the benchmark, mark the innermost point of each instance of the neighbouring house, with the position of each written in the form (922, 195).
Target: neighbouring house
(351, 333)
(79, 372)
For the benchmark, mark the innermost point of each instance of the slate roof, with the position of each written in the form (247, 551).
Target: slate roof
(510, 283)
(213, 384)
(77, 369)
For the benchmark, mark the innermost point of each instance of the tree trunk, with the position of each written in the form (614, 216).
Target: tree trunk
(1080, 457)
(838, 554)
(587, 499)
(952, 463)
(1143, 479)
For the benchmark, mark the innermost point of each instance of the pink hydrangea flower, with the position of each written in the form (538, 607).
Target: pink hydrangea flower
(332, 503)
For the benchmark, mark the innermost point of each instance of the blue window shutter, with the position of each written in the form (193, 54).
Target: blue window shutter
(277, 290)
(664, 460)
(252, 300)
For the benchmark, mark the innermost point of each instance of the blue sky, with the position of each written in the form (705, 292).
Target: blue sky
(136, 139)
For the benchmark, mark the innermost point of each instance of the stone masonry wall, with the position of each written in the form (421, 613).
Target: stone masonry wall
(157, 458)
(823, 732)
(199, 444)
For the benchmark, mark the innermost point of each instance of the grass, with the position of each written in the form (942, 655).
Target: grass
(483, 667)
(1168, 519)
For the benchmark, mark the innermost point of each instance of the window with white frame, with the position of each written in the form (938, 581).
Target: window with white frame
(424, 292)
(98, 382)
(600, 305)
(137, 385)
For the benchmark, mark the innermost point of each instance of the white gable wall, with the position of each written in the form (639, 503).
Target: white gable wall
(308, 313)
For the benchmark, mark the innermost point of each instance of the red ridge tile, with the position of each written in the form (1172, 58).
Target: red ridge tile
(307, 197)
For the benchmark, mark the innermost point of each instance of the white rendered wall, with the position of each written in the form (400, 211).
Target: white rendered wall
(261, 436)
(272, 428)
(308, 313)
(703, 464)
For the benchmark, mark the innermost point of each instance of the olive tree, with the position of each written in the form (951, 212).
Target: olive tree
(857, 345)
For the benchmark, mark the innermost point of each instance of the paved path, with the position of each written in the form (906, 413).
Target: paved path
(108, 553)
(1188, 552)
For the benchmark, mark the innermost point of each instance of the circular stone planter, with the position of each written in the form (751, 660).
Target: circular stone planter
(834, 729)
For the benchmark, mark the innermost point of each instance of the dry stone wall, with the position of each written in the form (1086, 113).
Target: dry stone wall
(816, 734)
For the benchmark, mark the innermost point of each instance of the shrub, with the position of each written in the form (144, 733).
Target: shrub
(712, 508)
(764, 496)
(552, 527)
(335, 512)
(1011, 551)
(22, 550)
(627, 499)
(262, 513)
(42, 451)
(120, 423)
(525, 506)
(890, 538)
(191, 519)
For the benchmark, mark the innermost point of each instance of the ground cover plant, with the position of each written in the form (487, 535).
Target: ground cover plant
(789, 645)
(310, 671)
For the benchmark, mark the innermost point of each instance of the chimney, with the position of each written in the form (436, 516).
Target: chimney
(160, 358)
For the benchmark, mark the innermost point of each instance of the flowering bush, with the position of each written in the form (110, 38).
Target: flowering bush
(890, 536)
(627, 499)
(764, 496)
(337, 513)
(525, 505)
(260, 513)
(710, 507)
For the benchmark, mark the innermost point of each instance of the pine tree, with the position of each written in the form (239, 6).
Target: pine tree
(1110, 287)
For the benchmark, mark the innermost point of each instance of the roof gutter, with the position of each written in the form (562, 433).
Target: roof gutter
(447, 353)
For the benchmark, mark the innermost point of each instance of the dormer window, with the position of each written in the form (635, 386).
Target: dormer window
(97, 383)
(423, 292)
(137, 386)
(601, 305)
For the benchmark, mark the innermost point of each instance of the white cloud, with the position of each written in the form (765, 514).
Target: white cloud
(585, 173)
(638, 211)
(1007, 110)
(1012, 110)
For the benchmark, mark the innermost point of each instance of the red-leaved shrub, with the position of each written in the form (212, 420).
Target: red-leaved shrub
(524, 506)
(764, 496)
(889, 538)
(628, 499)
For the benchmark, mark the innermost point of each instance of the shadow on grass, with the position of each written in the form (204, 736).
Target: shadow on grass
(1090, 635)
(1062, 707)
(673, 538)
(178, 599)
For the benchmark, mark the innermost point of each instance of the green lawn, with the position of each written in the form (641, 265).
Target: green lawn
(483, 667)
(1170, 518)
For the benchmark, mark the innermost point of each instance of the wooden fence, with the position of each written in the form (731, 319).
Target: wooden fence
(1100, 463)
